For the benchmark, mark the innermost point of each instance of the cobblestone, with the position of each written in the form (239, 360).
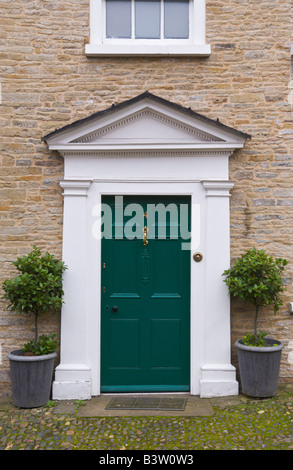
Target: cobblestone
(236, 424)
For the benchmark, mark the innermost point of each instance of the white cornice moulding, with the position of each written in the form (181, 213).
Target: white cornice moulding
(75, 187)
(149, 154)
(94, 148)
(218, 188)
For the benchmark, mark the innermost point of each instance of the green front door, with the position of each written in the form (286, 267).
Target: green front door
(145, 311)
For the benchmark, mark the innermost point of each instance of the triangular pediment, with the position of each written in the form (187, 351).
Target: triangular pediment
(145, 122)
(147, 125)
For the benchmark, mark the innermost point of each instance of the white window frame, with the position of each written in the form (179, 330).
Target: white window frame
(195, 45)
(149, 40)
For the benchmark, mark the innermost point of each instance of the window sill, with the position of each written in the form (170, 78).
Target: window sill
(202, 50)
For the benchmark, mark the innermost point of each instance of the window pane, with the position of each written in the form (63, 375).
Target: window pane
(147, 19)
(118, 18)
(176, 19)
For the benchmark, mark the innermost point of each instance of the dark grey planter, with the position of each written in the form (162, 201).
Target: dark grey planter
(259, 368)
(31, 378)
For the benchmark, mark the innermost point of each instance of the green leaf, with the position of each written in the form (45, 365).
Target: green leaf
(256, 278)
(38, 287)
(45, 345)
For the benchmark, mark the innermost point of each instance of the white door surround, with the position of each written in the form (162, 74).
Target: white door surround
(145, 146)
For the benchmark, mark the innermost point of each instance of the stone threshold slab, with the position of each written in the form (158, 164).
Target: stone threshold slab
(98, 407)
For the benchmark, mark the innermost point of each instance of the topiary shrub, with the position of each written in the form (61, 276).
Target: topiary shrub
(256, 278)
(37, 290)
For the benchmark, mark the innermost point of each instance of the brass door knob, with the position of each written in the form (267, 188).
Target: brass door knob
(197, 257)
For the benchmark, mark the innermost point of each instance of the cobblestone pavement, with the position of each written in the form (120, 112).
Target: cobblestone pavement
(235, 423)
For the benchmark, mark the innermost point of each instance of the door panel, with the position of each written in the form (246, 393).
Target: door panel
(165, 353)
(166, 269)
(124, 354)
(145, 320)
(124, 253)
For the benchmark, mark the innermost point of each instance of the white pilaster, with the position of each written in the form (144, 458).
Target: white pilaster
(72, 376)
(218, 377)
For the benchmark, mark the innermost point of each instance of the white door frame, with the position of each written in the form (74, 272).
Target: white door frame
(78, 375)
(145, 147)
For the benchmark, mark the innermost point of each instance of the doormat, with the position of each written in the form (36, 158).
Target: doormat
(147, 403)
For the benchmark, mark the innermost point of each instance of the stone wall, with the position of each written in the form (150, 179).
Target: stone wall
(48, 82)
